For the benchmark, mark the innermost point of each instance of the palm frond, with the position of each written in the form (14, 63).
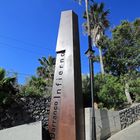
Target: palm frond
(2, 73)
(101, 7)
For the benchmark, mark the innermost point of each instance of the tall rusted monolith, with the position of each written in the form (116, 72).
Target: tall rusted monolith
(66, 120)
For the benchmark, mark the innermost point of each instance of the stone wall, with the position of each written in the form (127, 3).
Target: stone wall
(24, 111)
(129, 115)
(32, 109)
(109, 122)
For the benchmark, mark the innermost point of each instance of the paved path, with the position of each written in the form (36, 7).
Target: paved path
(130, 133)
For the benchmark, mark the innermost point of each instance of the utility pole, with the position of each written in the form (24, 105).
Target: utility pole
(90, 54)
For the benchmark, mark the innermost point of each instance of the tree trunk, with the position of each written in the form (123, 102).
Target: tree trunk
(95, 105)
(127, 92)
(101, 61)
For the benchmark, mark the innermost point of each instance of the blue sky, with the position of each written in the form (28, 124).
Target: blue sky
(28, 30)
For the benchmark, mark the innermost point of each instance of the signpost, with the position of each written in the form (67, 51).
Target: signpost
(66, 120)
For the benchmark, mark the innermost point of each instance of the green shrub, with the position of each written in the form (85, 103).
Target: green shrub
(110, 91)
(35, 86)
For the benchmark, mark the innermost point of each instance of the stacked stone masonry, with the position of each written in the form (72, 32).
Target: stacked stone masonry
(129, 115)
(31, 109)
(25, 110)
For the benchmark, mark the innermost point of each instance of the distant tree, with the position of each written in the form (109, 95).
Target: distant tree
(40, 85)
(98, 24)
(86, 90)
(46, 70)
(8, 87)
(35, 86)
(110, 91)
(122, 57)
(135, 88)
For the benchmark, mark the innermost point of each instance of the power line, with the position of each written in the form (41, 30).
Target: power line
(19, 48)
(24, 42)
(18, 73)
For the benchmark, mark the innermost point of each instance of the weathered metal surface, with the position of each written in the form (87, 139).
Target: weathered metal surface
(66, 121)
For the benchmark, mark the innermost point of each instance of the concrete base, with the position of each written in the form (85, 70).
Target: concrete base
(107, 123)
(32, 131)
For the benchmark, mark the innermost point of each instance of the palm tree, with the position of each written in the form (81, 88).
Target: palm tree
(7, 86)
(98, 24)
(36, 86)
(46, 70)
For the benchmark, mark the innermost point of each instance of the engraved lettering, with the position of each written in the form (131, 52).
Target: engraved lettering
(56, 103)
(60, 72)
(61, 66)
(55, 112)
(53, 129)
(58, 84)
(58, 91)
(62, 60)
(57, 96)
(62, 54)
(52, 135)
(54, 117)
(59, 79)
